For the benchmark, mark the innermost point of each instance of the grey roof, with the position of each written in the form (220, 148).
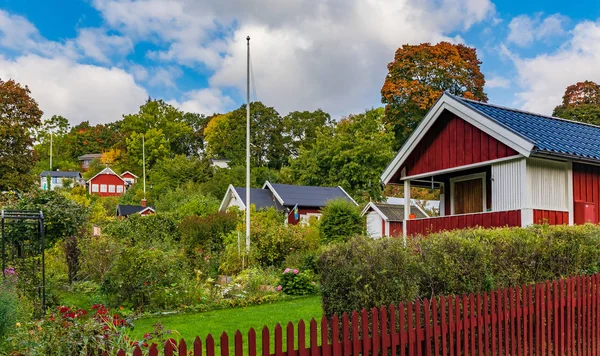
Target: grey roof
(61, 174)
(126, 210)
(308, 196)
(90, 156)
(261, 198)
(396, 212)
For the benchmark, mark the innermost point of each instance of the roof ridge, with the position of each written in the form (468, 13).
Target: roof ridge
(525, 111)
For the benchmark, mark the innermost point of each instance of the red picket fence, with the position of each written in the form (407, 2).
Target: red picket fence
(551, 318)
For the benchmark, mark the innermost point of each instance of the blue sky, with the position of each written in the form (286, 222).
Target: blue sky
(98, 59)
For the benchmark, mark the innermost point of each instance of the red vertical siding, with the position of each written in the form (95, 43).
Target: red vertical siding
(396, 228)
(108, 179)
(301, 211)
(586, 179)
(550, 217)
(452, 142)
(428, 226)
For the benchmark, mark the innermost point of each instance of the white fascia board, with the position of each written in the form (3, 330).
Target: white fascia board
(348, 195)
(107, 170)
(372, 205)
(268, 185)
(230, 191)
(470, 115)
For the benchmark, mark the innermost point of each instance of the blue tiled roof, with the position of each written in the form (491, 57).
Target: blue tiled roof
(308, 196)
(549, 134)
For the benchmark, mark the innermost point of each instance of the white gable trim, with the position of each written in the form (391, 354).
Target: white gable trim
(348, 195)
(465, 112)
(230, 191)
(370, 206)
(268, 185)
(122, 174)
(106, 171)
(146, 209)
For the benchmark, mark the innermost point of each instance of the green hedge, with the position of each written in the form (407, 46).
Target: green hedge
(363, 273)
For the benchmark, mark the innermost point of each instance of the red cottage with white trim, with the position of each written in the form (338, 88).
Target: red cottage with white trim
(496, 166)
(106, 184)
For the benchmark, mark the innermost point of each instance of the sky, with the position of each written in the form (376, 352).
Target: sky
(96, 60)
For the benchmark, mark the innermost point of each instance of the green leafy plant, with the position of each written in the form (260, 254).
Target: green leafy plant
(294, 282)
(340, 221)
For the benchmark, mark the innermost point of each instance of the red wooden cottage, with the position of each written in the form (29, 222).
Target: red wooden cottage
(106, 184)
(129, 177)
(497, 166)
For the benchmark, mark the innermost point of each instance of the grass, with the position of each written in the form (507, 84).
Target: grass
(229, 320)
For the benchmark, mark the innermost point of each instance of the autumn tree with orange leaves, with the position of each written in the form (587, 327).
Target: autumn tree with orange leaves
(581, 102)
(418, 76)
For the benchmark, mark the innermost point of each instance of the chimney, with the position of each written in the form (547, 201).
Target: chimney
(144, 203)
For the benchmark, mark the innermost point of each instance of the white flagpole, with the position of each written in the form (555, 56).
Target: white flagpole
(248, 145)
(51, 150)
(144, 163)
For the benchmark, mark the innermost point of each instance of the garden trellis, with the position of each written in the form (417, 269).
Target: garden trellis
(23, 246)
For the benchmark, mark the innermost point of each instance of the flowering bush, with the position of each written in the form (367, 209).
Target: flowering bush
(70, 331)
(294, 282)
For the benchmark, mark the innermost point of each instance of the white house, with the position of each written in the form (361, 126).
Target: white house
(49, 180)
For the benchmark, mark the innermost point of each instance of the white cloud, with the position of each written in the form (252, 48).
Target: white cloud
(524, 30)
(204, 101)
(95, 43)
(76, 91)
(306, 54)
(497, 82)
(545, 77)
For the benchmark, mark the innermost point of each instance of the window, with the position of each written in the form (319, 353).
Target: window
(111, 188)
(119, 189)
(94, 188)
(54, 180)
(102, 188)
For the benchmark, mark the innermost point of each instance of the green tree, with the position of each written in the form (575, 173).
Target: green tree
(85, 138)
(20, 116)
(340, 221)
(301, 127)
(156, 146)
(581, 102)
(226, 136)
(353, 156)
(176, 125)
(169, 173)
(418, 76)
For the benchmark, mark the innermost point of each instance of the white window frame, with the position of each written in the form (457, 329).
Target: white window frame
(119, 188)
(111, 188)
(95, 188)
(481, 176)
(103, 188)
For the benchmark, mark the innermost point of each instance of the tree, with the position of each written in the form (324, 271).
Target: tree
(340, 221)
(226, 136)
(156, 145)
(174, 124)
(581, 102)
(301, 127)
(353, 156)
(20, 116)
(418, 76)
(85, 138)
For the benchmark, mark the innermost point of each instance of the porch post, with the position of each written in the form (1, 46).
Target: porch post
(406, 208)
(526, 210)
(570, 202)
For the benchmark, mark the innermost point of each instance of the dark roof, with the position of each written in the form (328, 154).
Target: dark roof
(126, 210)
(60, 174)
(396, 212)
(549, 134)
(308, 196)
(261, 198)
(89, 156)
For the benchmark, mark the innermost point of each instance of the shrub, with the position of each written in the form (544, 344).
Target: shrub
(294, 282)
(206, 233)
(340, 221)
(98, 253)
(146, 231)
(9, 302)
(151, 279)
(363, 273)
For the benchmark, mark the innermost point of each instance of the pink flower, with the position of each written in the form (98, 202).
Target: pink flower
(279, 288)
(313, 283)
(286, 271)
(295, 271)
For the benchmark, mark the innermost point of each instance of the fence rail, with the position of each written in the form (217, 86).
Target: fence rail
(551, 318)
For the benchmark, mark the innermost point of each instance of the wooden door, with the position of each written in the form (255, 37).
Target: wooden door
(468, 196)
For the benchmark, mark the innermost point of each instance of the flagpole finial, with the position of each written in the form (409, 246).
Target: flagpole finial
(248, 38)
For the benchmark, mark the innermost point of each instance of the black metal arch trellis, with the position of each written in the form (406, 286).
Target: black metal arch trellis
(23, 244)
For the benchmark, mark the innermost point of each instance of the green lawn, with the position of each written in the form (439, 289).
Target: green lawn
(229, 320)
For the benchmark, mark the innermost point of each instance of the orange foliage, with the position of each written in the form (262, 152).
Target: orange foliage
(586, 92)
(418, 76)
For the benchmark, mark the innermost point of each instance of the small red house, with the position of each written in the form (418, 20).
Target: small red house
(496, 166)
(106, 184)
(129, 177)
